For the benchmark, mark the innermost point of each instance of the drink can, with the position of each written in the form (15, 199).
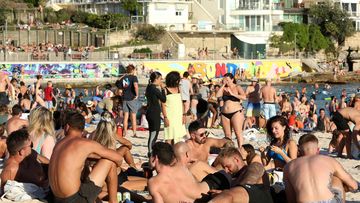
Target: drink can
(119, 196)
(126, 196)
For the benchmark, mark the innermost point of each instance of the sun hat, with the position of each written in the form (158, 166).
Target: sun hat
(68, 86)
(254, 79)
(89, 104)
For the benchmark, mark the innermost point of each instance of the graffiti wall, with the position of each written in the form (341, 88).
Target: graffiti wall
(212, 69)
(62, 70)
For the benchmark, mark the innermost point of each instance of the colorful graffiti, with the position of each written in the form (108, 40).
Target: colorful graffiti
(209, 69)
(62, 70)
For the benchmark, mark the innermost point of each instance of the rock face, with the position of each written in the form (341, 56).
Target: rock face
(349, 77)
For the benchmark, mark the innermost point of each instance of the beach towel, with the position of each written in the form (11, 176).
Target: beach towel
(17, 192)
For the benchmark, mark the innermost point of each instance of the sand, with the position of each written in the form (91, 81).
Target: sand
(139, 152)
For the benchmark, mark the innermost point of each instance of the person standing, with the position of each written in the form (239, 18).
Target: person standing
(268, 95)
(130, 87)
(186, 90)
(153, 95)
(253, 94)
(174, 116)
(4, 87)
(48, 95)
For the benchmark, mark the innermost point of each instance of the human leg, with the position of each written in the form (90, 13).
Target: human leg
(100, 171)
(237, 122)
(226, 126)
(125, 124)
(133, 122)
(234, 195)
(266, 109)
(153, 135)
(112, 183)
(214, 113)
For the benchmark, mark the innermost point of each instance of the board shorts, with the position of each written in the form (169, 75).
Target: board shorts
(253, 109)
(258, 193)
(130, 106)
(269, 110)
(87, 193)
(340, 122)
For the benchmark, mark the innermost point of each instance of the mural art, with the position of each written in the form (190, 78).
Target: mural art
(62, 70)
(271, 69)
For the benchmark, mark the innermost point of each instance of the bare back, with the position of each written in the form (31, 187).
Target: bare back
(15, 124)
(351, 114)
(268, 94)
(307, 182)
(179, 185)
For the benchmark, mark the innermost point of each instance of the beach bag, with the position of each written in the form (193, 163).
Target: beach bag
(17, 192)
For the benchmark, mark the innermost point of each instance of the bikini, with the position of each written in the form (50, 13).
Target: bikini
(231, 98)
(277, 156)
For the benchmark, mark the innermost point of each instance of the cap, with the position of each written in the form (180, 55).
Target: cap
(68, 86)
(254, 79)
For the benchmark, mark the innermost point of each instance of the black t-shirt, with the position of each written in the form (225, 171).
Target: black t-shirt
(127, 85)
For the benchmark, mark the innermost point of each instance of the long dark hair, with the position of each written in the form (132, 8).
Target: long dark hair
(251, 152)
(172, 79)
(153, 76)
(283, 122)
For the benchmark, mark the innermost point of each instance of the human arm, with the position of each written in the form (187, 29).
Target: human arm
(99, 151)
(125, 142)
(163, 109)
(348, 181)
(153, 190)
(221, 91)
(289, 190)
(240, 94)
(160, 94)
(292, 151)
(136, 87)
(8, 173)
(218, 143)
(265, 159)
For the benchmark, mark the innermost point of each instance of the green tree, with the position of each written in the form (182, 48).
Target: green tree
(132, 6)
(149, 33)
(298, 31)
(334, 22)
(2, 17)
(317, 40)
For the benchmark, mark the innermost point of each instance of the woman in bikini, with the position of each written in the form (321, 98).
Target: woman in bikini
(282, 148)
(232, 115)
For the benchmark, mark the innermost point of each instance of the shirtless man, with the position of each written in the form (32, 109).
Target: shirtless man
(253, 94)
(199, 169)
(200, 144)
(67, 163)
(4, 81)
(268, 95)
(306, 183)
(24, 164)
(251, 183)
(341, 118)
(174, 182)
(15, 122)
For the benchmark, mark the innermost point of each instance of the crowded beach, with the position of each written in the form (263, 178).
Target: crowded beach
(192, 139)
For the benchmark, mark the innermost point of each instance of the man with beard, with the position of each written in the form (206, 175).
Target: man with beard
(200, 144)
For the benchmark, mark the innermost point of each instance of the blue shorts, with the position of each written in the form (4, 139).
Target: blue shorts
(253, 109)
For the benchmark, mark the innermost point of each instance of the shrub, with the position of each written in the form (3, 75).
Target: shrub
(149, 33)
(143, 50)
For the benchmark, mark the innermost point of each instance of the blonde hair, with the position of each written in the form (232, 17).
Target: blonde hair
(105, 132)
(41, 121)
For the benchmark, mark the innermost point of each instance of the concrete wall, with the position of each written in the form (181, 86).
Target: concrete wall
(120, 37)
(353, 41)
(192, 42)
(164, 13)
(67, 37)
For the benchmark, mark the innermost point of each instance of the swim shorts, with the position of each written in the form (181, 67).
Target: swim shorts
(340, 122)
(253, 109)
(4, 100)
(130, 106)
(87, 193)
(258, 193)
(336, 199)
(269, 110)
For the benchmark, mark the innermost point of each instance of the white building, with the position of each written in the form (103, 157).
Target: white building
(172, 14)
(352, 7)
(99, 7)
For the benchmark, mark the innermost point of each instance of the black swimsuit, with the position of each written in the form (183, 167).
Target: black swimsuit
(231, 98)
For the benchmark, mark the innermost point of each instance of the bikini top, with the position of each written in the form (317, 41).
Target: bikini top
(277, 156)
(230, 97)
(39, 145)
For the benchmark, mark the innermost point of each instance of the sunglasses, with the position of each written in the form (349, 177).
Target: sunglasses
(205, 134)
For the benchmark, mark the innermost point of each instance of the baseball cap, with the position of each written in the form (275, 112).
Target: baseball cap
(254, 79)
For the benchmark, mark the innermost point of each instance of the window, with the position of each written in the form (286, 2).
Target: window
(178, 13)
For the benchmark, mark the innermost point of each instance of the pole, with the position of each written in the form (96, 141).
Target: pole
(6, 23)
(108, 40)
(295, 45)
(214, 45)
